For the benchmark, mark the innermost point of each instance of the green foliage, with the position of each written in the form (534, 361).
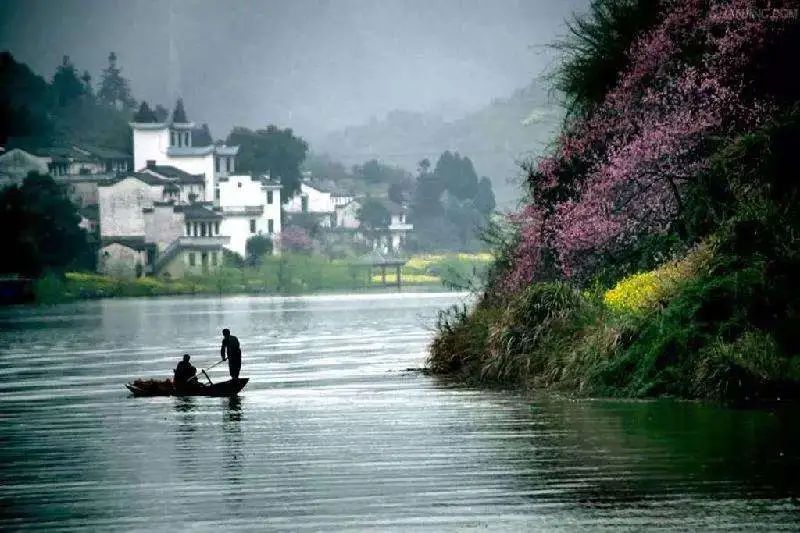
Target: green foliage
(450, 207)
(256, 248)
(37, 114)
(596, 50)
(145, 114)
(67, 85)
(373, 215)
(41, 229)
(376, 172)
(179, 113)
(457, 175)
(271, 150)
(484, 197)
(114, 89)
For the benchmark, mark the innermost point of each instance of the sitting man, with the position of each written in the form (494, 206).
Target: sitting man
(184, 372)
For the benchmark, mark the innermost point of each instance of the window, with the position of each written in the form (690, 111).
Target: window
(202, 229)
(252, 225)
(269, 197)
(270, 226)
(304, 204)
(239, 184)
(186, 139)
(216, 194)
(214, 258)
(188, 229)
(216, 164)
(216, 228)
(228, 164)
(172, 138)
(191, 259)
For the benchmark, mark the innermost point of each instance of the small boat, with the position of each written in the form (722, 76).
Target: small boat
(166, 387)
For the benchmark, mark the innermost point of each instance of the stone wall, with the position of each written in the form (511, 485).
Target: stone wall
(121, 207)
(120, 261)
(162, 225)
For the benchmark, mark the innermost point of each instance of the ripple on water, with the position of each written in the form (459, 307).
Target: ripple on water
(331, 433)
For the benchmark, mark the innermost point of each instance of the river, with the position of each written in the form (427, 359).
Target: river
(333, 434)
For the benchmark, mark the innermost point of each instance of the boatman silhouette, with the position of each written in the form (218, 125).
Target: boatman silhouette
(230, 349)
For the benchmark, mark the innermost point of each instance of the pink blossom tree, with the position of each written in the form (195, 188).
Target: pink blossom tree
(621, 171)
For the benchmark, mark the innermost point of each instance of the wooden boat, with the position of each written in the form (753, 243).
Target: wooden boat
(166, 387)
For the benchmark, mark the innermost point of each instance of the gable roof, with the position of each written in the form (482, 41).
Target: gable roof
(145, 177)
(198, 211)
(174, 173)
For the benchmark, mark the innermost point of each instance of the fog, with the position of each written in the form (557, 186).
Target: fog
(316, 66)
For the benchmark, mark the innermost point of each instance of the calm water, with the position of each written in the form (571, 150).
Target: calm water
(331, 433)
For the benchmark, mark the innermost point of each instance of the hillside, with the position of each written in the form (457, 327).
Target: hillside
(495, 138)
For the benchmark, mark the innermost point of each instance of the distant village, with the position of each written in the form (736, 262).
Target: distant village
(175, 208)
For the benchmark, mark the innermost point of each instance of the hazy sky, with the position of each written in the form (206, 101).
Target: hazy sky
(314, 65)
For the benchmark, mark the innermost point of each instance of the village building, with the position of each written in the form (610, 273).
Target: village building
(183, 209)
(392, 238)
(170, 144)
(250, 206)
(83, 160)
(319, 201)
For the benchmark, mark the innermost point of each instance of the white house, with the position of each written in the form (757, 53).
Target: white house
(144, 230)
(249, 206)
(392, 238)
(319, 201)
(170, 144)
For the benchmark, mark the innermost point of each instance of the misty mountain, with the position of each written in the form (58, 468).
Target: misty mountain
(496, 138)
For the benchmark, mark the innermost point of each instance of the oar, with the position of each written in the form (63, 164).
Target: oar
(204, 372)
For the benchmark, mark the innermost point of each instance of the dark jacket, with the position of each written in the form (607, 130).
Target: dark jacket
(230, 347)
(184, 371)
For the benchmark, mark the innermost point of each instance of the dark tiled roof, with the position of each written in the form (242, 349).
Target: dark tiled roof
(105, 153)
(145, 177)
(133, 242)
(174, 173)
(327, 187)
(198, 211)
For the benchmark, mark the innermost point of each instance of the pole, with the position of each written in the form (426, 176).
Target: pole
(204, 372)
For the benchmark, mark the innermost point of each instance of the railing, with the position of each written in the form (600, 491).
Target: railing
(188, 241)
(209, 241)
(243, 210)
(401, 227)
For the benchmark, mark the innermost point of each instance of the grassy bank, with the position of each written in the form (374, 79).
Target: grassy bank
(288, 274)
(694, 328)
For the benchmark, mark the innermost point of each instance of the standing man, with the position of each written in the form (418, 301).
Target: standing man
(230, 347)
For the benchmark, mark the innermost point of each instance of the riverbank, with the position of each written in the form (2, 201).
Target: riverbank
(702, 327)
(287, 274)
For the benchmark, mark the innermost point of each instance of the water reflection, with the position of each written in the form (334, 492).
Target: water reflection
(329, 435)
(233, 450)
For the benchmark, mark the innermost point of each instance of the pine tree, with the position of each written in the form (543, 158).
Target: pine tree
(179, 114)
(66, 83)
(115, 89)
(145, 114)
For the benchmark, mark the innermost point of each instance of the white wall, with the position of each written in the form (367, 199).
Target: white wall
(195, 165)
(318, 201)
(121, 205)
(347, 216)
(236, 195)
(149, 145)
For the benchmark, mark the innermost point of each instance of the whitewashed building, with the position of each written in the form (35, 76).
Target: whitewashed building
(170, 144)
(392, 238)
(183, 207)
(319, 201)
(249, 206)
